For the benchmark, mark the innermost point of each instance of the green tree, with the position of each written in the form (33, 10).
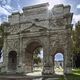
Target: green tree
(36, 58)
(76, 45)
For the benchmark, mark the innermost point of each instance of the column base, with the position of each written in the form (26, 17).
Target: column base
(68, 70)
(47, 70)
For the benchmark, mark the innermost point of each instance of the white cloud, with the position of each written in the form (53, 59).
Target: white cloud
(41, 54)
(8, 2)
(8, 7)
(3, 11)
(52, 2)
(78, 6)
(55, 2)
(19, 7)
(76, 18)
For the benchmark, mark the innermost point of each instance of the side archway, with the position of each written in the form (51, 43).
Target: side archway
(12, 60)
(57, 54)
(58, 60)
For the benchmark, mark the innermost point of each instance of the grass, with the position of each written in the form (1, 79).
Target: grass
(76, 71)
(62, 78)
(74, 76)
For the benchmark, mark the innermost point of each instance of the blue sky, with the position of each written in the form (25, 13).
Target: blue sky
(58, 57)
(9, 6)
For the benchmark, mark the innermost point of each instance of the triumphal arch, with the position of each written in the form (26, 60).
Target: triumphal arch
(37, 27)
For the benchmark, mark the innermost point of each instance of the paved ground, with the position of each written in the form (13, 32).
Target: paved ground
(35, 75)
(38, 72)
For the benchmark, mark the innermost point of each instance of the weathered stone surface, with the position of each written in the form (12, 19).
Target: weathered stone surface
(37, 26)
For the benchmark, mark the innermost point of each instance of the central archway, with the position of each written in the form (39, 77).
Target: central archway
(34, 56)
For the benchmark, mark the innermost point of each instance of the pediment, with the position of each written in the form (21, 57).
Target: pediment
(34, 28)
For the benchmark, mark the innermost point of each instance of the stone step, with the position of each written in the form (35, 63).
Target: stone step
(52, 79)
(46, 79)
(49, 77)
(38, 79)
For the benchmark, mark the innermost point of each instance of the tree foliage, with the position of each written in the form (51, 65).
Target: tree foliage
(36, 58)
(76, 45)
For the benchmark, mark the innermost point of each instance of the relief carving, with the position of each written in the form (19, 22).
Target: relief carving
(13, 44)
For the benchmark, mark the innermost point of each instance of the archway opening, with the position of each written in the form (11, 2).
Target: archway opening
(12, 60)
(59, 63)
(38, 59)
(34, 58)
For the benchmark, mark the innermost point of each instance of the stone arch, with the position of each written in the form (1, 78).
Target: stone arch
(57, 49)
(58, 60)
(35, 40)
(12, 60)
(29, 51)
(32, 45)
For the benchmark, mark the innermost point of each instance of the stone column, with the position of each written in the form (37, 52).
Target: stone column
(4, 68)
(67, 61)
(47, 61)
(28, 66)
(20, 56)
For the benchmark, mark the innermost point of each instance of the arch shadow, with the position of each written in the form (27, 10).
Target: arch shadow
(12, 60)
